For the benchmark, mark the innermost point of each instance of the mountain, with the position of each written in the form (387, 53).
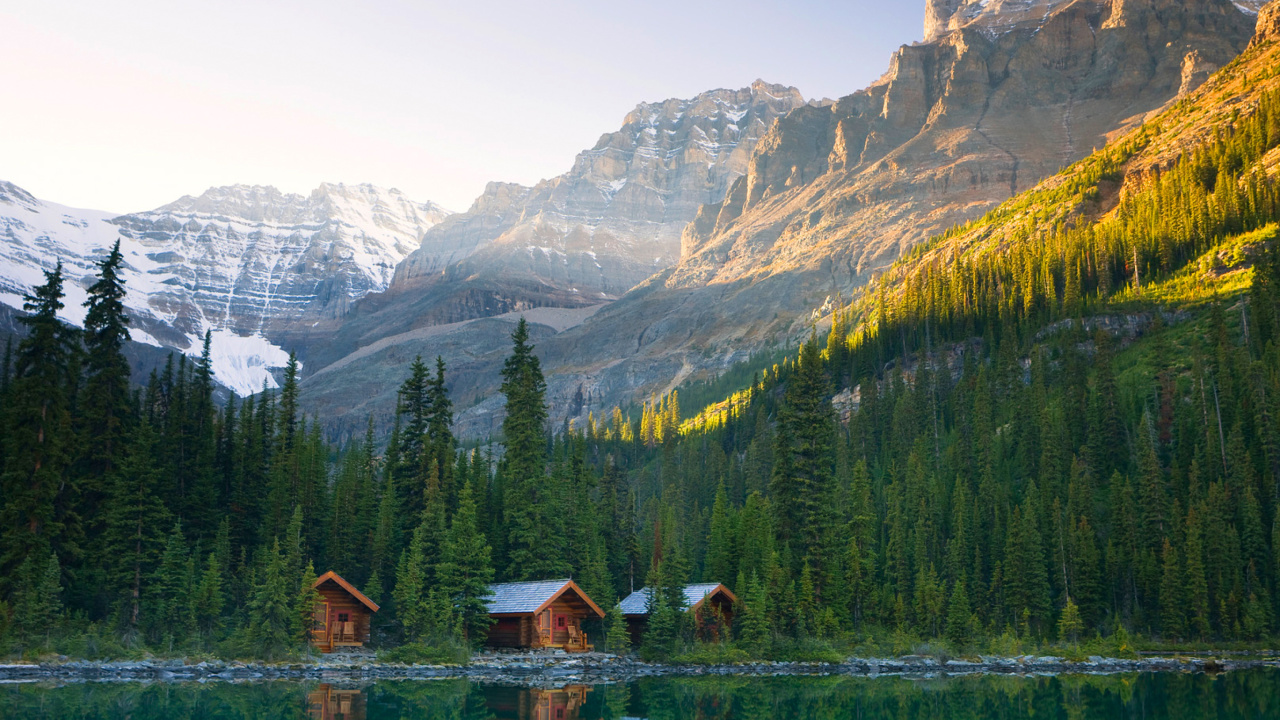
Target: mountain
(834, 194)
(576, 241)
(251, 264)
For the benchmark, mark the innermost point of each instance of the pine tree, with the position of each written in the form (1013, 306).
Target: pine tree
(803, 485)
(1069, 624)
(105, 398)
(1026, 580)
(411, 588)
(36, 514)
(958, 616)
(1172, 600)
(134, 515)
(308, 597)
(170, 590)
(754, 621)
(524, 463)
(210, 599)
(37, 598)
(1196, 592)
(272, 609)
(616, 636)
(720, 565)
(466, 569)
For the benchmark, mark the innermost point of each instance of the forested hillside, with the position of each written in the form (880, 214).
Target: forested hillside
(1059, 422)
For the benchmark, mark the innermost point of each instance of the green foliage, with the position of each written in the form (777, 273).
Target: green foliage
(466, 570)
(617, 638)
(417, 653)
(273, 609)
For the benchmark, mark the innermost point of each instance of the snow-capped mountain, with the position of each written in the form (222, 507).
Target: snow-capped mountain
(251, 264)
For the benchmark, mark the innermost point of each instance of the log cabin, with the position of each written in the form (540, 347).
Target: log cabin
(540, 615)
(700, 599)
(342, 615)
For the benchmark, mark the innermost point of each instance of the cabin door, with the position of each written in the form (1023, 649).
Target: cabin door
(320, 623)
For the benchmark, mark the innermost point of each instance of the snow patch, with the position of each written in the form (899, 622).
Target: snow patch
(241, 363)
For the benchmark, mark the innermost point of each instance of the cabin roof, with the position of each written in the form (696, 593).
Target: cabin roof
(637, 603)
(531, 597)
(331, 575)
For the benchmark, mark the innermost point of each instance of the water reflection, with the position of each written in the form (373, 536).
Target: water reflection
(1242, 695)
(564, 703)
(327, 702)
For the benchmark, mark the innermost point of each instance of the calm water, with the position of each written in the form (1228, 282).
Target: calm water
(1249, 694)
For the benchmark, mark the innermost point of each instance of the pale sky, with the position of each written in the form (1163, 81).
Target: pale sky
(125, 106)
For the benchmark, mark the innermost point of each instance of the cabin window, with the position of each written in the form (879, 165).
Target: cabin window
(560, 622)
(344, 617)
(559, 713)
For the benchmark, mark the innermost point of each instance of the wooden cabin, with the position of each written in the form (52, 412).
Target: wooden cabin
(342, 616)
(540, 615)
(700, 599)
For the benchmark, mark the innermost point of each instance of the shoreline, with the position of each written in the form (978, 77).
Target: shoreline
(541, 670)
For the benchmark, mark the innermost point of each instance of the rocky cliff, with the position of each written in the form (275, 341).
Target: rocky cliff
(832, 194)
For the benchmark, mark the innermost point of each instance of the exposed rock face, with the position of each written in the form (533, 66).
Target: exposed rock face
(250, 263)
(615, 218)
(1268, 28)
(833, 193)
(585, 237)
(956, 126)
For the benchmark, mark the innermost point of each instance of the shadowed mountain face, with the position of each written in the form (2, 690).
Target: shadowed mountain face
(1001, 96)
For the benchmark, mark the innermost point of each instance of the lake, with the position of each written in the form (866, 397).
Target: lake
(1171, 696)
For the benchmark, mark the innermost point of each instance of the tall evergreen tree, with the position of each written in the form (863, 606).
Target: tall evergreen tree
(37, 515)
(465, 571)
(528, 501)
(105, 399)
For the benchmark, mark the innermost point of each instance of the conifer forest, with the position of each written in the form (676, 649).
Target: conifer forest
(1067, 441)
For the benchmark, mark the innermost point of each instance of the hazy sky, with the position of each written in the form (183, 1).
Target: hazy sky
(124, 106)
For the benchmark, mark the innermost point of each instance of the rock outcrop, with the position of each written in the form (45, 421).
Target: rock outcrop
(1268, 27)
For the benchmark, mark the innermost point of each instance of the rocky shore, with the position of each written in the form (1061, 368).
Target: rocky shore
(541, 669)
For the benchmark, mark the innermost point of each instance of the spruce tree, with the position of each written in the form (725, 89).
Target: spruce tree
(1069, 624)
(958, 616)
(272, 609)
(37, 598)
(466, 570)
(36, 515)
(410, 593)
(523, 466)
(308, 597)
(105, 400)
(803, 485)
(133, 538)
(1172, 597)
(720, 564)
(169, 593)
(616, 637)
(210, 599)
